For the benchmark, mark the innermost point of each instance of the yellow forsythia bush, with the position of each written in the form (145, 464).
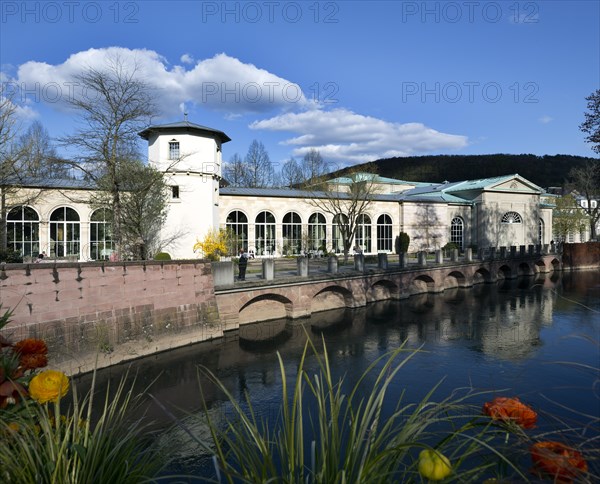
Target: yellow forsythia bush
(214, 245)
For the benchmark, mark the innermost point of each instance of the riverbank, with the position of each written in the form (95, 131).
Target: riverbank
(94, 315)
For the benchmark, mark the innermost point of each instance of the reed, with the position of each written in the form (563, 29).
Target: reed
(66, 442)
(325, 432)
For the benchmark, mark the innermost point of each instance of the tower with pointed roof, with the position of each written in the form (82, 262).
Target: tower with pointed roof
(190, 157)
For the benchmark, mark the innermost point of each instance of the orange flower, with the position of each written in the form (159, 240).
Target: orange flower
(558, 460)
(511, 409)
(32, 353)
(49, 385)
(31, 362)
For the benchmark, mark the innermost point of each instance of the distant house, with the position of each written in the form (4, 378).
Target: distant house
(501, 211)
(586, 204)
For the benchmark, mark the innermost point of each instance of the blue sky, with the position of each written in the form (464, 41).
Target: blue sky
(356, 80)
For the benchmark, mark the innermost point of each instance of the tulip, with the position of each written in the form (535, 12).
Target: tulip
(433, 465)
(511, 409)
(558, 460)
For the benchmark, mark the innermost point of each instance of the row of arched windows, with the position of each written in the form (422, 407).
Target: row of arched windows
(64, 233)
(64, 226)
(297, 239)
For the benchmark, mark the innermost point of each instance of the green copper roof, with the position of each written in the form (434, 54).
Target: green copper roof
(346, 180)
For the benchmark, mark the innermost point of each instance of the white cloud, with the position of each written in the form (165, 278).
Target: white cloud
(225, 84)
(187, 59)
(348, 137)
(221, 83)
(545, 119)
(23, 113)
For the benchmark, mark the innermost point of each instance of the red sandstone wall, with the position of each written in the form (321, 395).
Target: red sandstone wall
(116, 311)
(581, 256)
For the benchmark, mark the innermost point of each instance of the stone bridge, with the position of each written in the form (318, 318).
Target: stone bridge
(299, 297)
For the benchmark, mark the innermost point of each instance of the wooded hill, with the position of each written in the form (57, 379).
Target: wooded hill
(545, 171)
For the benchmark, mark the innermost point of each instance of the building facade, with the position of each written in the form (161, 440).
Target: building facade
(57, 219)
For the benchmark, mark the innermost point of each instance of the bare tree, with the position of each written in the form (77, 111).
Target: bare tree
(313, 166)
(258, 168)
(113, 107)
(234, 171)
(346, 200)
(9, 159)
(144, 207)
(591, 125)
(291, 174)
(585, 181)
(39, 158)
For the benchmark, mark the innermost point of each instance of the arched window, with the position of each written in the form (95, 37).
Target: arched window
(338, 238)
(23, 231)
(457, 232)
(384, 233)
(292, 233)
(265, 233)
(317, 232)
(101, 242)
(541, 232)
(237, 223)
(64, 233)
(511, 218)
(363, 232)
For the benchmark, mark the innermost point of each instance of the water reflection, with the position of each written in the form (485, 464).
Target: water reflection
(505, 335)
(332, 321)
(265, 337)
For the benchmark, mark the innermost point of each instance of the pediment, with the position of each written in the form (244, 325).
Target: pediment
(516, 184)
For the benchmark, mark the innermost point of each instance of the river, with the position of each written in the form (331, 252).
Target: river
(535, 338)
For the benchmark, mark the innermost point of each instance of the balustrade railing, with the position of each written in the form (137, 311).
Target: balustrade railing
(269, 269)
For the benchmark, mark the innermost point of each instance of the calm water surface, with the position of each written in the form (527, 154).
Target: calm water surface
(535, 338)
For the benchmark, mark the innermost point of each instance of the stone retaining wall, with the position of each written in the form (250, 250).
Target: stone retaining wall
(98, 314)
(581, 256)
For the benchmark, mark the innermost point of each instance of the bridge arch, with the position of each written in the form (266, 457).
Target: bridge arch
(482, 275)
(382, 289)
(525, 269)
(265, 307)
(555, 263)
(540, 266)
(505, 272)
(455, 279)
(331, 297)
(422, 284)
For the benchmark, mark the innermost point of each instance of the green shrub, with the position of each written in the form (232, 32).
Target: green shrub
(11, 256)
(450, 246)
(162, 256)
(402, 242)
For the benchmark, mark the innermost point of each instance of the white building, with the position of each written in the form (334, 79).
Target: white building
(493, 212)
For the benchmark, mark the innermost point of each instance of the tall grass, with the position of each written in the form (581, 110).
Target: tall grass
(327, 434)
(43, 444)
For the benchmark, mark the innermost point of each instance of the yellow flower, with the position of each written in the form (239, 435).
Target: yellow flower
(48, 386)
(433, 465)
